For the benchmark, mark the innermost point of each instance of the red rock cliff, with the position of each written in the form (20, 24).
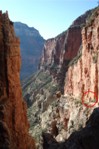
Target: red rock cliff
(13, 120)
(83, 74)
(59, 51)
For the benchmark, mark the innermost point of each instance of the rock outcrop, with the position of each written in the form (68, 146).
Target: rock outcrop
(83, 73)
(86, 138)
(13, 120)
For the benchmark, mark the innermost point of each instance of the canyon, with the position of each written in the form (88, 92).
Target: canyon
(69, 68)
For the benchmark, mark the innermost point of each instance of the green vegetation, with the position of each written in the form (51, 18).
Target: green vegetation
(92, 16)
(28, 81)
(39, 87)
(78, 102)
(95, 57)
(54, 68)
(36, 81)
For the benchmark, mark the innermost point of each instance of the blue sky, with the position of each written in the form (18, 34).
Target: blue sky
(50, 17)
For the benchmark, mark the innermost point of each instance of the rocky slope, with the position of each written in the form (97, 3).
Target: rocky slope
(31, 44)
(86, 138)
(13, 120)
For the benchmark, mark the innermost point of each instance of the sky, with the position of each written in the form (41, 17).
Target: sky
(50, 17)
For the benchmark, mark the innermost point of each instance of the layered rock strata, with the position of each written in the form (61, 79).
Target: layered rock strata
(59, 51)
(83, 73)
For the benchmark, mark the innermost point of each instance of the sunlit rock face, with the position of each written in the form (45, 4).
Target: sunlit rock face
(13, 120)
(83, 75)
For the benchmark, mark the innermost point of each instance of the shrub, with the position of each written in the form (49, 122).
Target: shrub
(95, 57)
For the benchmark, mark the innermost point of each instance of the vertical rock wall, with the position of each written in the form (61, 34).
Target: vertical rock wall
(83, 75)
(13, 120)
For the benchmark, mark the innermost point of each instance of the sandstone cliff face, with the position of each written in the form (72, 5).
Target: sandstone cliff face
(13, 121)
(59, 51)
(62, 47)
(84, 74)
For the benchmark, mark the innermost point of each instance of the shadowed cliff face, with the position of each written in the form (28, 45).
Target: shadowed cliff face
(31, 43)
(13, 120)
(83, 75)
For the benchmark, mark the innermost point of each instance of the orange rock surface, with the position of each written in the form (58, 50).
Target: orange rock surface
(13, 120)
(83, 75)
